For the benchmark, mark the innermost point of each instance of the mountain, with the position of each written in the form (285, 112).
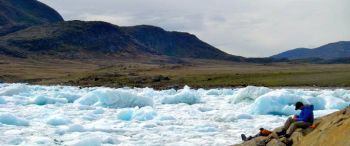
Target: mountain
(19, 14)
(76, 39)
(327, 52)
(73, 39)
(176, 44)
(30, 28)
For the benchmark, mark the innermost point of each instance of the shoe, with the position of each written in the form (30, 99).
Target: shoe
(244, 138)
(281, 133)
(287, 135)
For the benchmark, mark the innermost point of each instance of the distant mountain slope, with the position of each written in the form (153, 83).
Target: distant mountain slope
(73, 38)
(176, 44)
(330, 51)
(19, 14)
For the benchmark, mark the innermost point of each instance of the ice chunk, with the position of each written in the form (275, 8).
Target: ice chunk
(115, 98)
(277, 102)
(205, 109)
(342, 93)
(40, 140)
(140, 114)
(14, 89)
(226, 118)
(125, 114)
(186, 95)
(56, 121)
(249, 93)
(2, 100)
(110, 140)
(69, 97)
(167, 118)
(43, 100)
(244, 116)
(144, 114)
(335, 103)
(10, 119)
(218, 92)
(89, 99)
(88, 141)
(15, 141)
(98, 111)
(318, 102)
(148, 125)
(207, 128)
(76, 128)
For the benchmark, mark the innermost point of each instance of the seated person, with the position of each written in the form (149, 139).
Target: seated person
(262, 132)
(304, 120)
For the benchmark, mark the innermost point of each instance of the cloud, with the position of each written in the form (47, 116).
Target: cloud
(252, 28)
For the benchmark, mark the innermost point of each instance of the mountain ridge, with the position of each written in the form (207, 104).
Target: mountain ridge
(336, 50)
(19, 14)
(176, 44)
(73, 37)
(42, 31)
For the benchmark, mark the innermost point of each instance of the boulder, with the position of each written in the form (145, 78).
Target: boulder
(297, 136)
(254, 142)
(275, 142)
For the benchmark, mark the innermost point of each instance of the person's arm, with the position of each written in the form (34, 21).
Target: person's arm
(295, 117)
(304, 115)
(257, 135)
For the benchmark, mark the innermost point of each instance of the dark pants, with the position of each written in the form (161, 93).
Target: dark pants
(291, 125)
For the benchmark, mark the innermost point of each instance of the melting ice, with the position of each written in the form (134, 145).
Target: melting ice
(63, 115)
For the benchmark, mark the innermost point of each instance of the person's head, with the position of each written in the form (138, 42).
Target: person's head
(261, 129)
(299, 105)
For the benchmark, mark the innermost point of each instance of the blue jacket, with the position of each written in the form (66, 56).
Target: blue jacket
(307, 114)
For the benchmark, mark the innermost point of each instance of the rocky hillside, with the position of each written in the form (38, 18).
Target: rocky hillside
(19, 14)
(327, 52)
(331, 130)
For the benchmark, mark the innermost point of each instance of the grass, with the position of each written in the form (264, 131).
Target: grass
(197, 74)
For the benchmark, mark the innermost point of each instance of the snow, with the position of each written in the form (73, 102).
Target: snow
(67, 115)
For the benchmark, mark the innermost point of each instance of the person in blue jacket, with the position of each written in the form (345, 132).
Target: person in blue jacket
(304, 120)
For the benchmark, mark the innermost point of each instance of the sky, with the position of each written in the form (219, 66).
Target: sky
(249, 28)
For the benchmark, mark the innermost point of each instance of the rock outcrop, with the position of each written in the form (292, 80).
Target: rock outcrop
(331, 130)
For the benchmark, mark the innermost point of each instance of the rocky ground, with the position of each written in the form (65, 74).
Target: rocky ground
(331, 130)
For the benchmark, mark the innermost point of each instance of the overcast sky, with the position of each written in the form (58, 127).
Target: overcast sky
(250, 28)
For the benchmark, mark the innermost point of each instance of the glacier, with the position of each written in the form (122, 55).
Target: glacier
(69, 115)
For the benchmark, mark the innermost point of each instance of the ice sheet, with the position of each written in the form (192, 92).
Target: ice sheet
(64, 115)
